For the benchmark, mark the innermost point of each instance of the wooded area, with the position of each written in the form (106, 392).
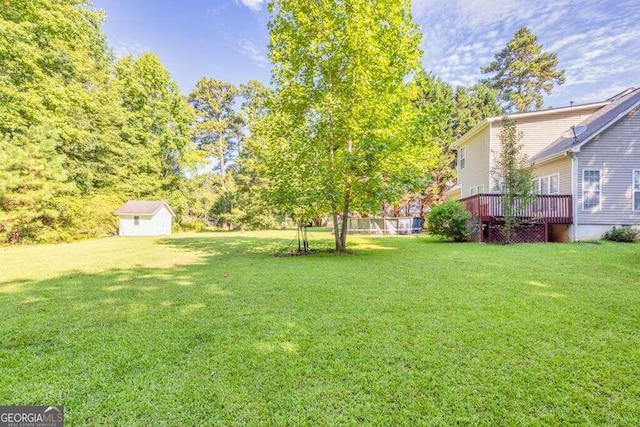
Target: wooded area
(341, 130)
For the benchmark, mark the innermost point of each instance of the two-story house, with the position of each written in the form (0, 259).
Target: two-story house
(588, 180)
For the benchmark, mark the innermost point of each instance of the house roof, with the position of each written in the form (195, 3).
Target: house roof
(142, 207)
(618, 107)
(485, 123)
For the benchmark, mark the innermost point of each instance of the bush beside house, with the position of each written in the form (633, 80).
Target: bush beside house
(450, 220)
(622, 234)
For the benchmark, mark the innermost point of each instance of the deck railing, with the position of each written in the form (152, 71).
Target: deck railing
(549, 208)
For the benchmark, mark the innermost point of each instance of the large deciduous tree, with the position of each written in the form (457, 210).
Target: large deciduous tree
(522, 71)
(252, 201)
(116, 132)
(442, 116)
(157, 129)
(57, 104)
(339, 124)
(435, 107)
(473, 104)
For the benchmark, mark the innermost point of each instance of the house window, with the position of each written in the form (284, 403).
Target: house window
(636, 190)
(462, 157)
(544, 185)
(136, 220)
(590, 189)
(554, 184)
(477, 189)
(549, 184)
(498, 186)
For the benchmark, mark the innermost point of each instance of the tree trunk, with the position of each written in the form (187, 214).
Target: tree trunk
(336, 231)
(221, 159)
(341, 243)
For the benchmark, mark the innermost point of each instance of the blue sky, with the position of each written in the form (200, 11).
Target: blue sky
(597, 42)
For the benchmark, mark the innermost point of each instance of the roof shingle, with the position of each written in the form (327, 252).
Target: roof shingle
(595, 123)
(142, 207)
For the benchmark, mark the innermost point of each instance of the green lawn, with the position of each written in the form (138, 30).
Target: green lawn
(210, 328)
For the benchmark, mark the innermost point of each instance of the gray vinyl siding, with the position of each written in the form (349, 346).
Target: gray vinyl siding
(616, 153)
(562, 167)
(476, 171)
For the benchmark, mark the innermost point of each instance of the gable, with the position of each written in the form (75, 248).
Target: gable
(539, 131)
(594, 125)
(143, 208)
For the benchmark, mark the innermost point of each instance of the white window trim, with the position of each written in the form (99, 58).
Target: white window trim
(538, 184)
(498, 186)
(596, 208)
(477, 189)
(633, 189)
(556, 175)
(462, 158)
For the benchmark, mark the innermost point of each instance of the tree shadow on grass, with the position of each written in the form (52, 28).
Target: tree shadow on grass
(132, 338)
(230, 245)
(139, 338)
(268, 246)
(228, 334)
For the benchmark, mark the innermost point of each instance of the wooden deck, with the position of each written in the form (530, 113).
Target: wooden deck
(536, 218)
(550, 209)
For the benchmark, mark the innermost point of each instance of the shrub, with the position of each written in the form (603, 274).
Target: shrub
(80, 217)
(622, 234)
(191, 225)
(449, 220)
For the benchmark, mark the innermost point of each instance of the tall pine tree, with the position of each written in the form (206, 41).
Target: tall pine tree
(218, 127)
(522, 72)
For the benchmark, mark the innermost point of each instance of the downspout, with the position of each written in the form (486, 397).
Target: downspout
(574, 191)
(490, 143)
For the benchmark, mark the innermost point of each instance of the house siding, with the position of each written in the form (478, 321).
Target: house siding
(540, 131)
(476, 171)
(562, 167)
(616, 153)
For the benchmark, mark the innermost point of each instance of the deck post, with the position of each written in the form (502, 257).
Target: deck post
(546, 231)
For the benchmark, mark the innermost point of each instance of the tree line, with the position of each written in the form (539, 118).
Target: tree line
(342, 129)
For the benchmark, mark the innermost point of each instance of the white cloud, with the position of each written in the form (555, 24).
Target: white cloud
(254, 52)
(124, 47)
(595, 40)
(215, 10)
(254, 5)
(570, 41)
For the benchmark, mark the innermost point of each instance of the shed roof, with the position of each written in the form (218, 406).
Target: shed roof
(142, 207)
(597, 122)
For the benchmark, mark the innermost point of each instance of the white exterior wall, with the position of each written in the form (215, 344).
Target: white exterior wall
(538, 131)
(541, 130)
(589, 232)
(156, 225)
(476, 171)
(562, 167)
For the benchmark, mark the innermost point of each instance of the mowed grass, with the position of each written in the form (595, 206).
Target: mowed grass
(205, 329)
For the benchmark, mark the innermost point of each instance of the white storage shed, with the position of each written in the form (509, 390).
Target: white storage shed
(145, 218)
